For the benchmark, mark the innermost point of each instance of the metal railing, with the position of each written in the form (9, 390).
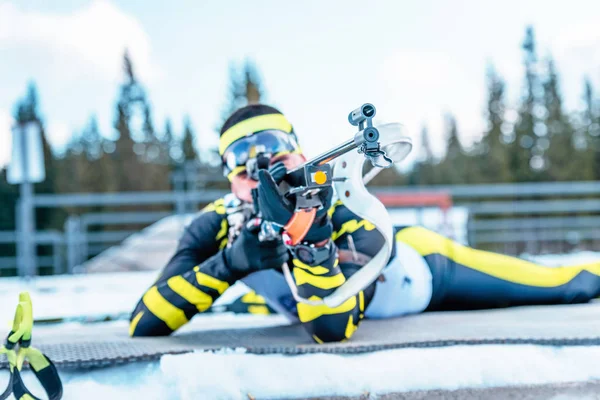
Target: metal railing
(524, 216)
(82, 243)
(55, 239)
(511, 214)
(460, 192)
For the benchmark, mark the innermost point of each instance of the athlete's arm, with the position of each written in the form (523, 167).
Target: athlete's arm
(327, 324)
(358, 241)
(319, 277)
(201, 270)
(192, 280)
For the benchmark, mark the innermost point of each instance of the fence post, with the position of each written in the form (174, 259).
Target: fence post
(180, 203)
(180, 192)
(56, 257)
(72, 232)
(18, 228)
(83, 242)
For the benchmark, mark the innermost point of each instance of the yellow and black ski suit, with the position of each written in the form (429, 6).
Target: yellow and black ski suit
(461, 277)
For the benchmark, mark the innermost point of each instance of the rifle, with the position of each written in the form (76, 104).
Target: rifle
(383, 146)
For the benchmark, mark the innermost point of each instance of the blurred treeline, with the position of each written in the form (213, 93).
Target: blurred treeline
(535, 140)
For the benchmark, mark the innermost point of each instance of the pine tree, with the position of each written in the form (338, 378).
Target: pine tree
(128, 96)
(245, 87)
(254, 91)
(492, 160)
(130, 79)
(524, 167)
(151, 143)
(564, 160)
(423, 172)
(83, 167)
(167, 138)
(168, 146)
(125, 162)
(455, 160)
(71, 167)
(453, 168)
(455, 149)
(235, 96)
(590, 134)
(93, 140)
(93, 176)
(136, 160)
(426, 151)
(189, 149)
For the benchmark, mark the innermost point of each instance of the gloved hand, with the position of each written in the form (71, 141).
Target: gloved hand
(278, 209)
(247, 254)
(278, 172)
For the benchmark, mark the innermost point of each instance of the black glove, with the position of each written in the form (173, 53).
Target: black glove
(247, 254)
(278, 209)
(278, 172)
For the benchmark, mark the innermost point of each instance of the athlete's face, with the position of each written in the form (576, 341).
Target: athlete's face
(242, 184)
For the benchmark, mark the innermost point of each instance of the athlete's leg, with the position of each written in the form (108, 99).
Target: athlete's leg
(466, 278)
(404, 287)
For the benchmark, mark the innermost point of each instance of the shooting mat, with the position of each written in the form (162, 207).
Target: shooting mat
(565, 325)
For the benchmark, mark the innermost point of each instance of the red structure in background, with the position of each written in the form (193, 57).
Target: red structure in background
(441, 200)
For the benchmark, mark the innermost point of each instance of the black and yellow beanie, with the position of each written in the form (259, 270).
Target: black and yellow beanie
(251, 119)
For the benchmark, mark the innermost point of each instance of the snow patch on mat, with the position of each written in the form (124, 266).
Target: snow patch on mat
(233, 374)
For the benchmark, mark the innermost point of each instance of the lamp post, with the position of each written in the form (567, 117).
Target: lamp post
(25, 169)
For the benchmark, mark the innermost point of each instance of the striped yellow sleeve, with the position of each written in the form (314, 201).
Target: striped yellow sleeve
(169, 305)
(324, 323)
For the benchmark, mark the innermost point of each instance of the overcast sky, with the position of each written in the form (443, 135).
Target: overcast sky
(415, 60)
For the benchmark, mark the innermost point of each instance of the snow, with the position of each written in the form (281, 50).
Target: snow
(74, 295)
(235, 374)
(232, 374)
(94, 295)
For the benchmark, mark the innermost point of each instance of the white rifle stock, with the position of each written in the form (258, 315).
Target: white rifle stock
(383, 145)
